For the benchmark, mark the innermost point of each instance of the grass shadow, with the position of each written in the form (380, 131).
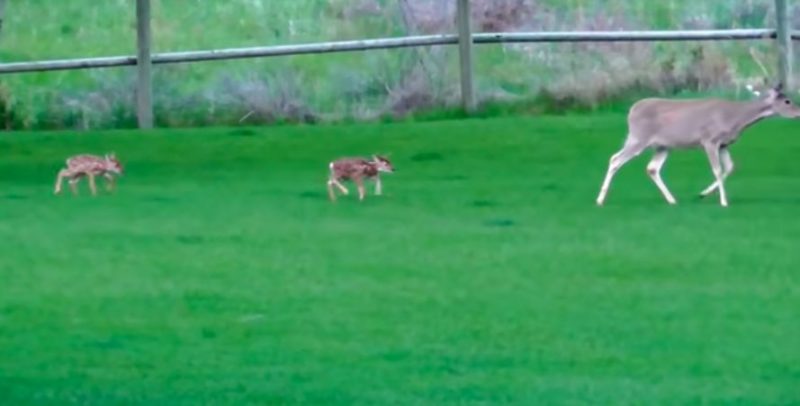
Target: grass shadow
(190, 239)
(500, 223)
(427, 157)
(14, 196)
(483, 203)
(310, 194)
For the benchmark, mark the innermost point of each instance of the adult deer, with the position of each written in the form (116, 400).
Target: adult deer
(710, 124)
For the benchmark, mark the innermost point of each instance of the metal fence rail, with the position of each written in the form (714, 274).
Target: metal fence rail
(231, 53)
(389, 43)
(783, 34)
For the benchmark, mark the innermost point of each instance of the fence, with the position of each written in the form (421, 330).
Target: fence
(465, 39)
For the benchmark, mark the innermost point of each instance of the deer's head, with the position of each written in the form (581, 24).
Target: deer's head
(780, 103)
(382, 163)
(113, 164)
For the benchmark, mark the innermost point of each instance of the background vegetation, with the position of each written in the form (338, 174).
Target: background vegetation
(393, 83)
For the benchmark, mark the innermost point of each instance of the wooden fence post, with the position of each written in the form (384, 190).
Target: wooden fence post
(465, 55)
(2, 14)
(784, 38)
(144, 64)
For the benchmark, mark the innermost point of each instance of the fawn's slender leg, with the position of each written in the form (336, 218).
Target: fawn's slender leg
(331, 192)
(109, 181)
(333, 181)
(378, 186)
(92, 185)
(360, 185)
(341, 187)
(60, 180)
(73, 185)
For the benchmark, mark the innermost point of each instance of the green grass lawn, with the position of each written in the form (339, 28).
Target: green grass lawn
(220, 274)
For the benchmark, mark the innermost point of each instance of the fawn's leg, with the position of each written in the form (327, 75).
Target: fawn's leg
(73, 185)
(109, 181)
(341, 187)
(92, 185)
(333, 180)
(360, 185)
(378, 186)
(331, 192)
(59, 181)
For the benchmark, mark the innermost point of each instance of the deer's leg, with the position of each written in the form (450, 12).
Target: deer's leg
(341, 186)
(714, 159)
(727, 168)
(654, 171)
(331, 192)
(378, 186)
(73, 185)
(60, 180)
(109, 181)
(360, 185)
(92, 185)
(628, 152)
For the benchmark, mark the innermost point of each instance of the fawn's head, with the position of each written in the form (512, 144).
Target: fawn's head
(382, 163)
(780, 103)
(113, 164)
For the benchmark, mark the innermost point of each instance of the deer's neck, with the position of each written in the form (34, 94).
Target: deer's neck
(371, 169)
(750, 113)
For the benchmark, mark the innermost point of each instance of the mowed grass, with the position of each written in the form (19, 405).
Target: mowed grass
(220, 274)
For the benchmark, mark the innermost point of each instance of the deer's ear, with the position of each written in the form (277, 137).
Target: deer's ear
(771, 95)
